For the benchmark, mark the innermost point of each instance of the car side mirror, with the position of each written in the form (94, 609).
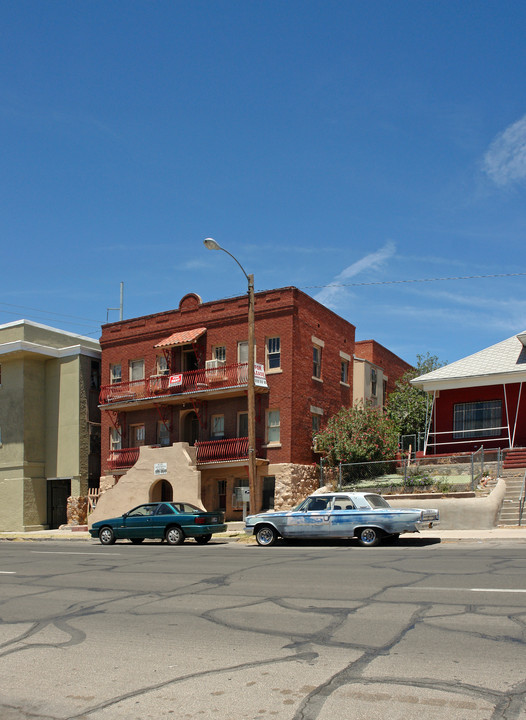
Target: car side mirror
(125, 515)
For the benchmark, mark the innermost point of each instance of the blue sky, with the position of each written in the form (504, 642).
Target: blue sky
(356, 144)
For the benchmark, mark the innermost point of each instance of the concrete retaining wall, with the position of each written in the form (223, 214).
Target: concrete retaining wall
(478, 513)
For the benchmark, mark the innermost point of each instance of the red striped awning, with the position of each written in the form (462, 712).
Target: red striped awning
(181, 338)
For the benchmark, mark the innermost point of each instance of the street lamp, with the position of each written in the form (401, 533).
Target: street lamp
(211, 244)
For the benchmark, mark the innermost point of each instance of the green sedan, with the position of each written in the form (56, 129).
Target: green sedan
(170, 521)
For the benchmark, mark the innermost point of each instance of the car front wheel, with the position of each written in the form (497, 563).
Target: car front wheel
(203, 539)
(106, 536)
(174, 535)
(368, 537)
(266, 535)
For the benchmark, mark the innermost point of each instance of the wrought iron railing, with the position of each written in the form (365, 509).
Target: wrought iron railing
(187, 382)
(123, 458)
(223, 450)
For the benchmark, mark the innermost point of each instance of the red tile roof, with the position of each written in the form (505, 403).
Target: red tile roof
(181, 338)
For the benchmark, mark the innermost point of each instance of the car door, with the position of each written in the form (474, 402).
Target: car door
(343, 517)
(164, 516)
(313, 520)
(138, 522)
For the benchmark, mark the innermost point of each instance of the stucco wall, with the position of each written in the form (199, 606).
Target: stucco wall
(135, 487)
(479, 513)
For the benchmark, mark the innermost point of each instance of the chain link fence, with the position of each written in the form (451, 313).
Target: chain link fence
(409, 474)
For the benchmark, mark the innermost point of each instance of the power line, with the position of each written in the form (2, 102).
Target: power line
(419, 280)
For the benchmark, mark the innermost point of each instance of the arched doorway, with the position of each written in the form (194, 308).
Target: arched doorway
(161, 491)
(190, 429)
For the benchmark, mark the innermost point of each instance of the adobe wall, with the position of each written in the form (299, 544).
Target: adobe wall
(136, 486)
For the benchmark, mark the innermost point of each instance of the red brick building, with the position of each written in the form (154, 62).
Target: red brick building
(181, 377)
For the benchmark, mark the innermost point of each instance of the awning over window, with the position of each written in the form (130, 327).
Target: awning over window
(181, 338)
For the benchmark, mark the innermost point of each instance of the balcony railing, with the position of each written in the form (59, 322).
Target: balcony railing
(224, 450)
(208, 451)
(181, 383)
(124, 458)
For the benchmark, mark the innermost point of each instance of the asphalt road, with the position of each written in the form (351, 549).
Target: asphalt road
(415, 630)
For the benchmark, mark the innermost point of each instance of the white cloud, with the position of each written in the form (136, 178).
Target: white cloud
(333, 295)
(505, 160)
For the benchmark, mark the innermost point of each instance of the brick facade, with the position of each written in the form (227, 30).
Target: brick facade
(301, 398)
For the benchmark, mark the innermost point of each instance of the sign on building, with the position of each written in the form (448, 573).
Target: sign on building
(160, 468)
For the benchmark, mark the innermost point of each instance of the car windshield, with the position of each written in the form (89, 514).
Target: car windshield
(311, 504)
(377, 501)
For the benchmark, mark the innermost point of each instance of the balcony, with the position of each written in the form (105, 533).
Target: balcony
(208, 451)
(123, 459)
(224, 450)
(224, 380)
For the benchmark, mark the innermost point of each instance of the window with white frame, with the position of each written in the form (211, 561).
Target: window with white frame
(161, 365)
(316, 362)
(136, 370)
(137, 435)
(115, 373)
(163, 434)
(115, 439)
(477, 419)
(219, 353)
(273, 353)
(273, 427)
(217, 426)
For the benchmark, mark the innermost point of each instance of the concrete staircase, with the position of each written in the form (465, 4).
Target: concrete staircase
(509, 512)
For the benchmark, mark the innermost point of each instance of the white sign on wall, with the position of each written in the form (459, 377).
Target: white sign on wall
(160, 468)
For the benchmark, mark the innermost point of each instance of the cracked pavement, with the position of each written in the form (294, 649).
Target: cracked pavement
(293, 632)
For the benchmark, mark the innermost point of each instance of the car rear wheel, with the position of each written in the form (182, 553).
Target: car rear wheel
(106, 536)
(136, 541)
(174, 535)
(203, 539)
(368, 537)
(266, 535)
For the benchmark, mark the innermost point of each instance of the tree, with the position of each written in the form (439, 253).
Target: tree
(407, 405)
(358, 434)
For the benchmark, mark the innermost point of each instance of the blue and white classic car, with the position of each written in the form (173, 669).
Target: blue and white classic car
(362, 515)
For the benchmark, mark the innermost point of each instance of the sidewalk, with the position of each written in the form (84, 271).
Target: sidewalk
(237, 529)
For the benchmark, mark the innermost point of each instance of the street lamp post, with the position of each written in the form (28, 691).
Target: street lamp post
(211, 244)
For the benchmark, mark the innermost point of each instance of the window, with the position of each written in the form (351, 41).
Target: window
(115, 373)
(219, 353)
(316, 415)
(94, 375)
(374, 380)
(344, 372)
(273, 435)
(316, 362)
(163, 434)
(136, 370)
(115, 439)
(273, 354)
(137, 434)
(217, 424)
(161, 365)
(242, 424)
(242, 351)
(477, 419)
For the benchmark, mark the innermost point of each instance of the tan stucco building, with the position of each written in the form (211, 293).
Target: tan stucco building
(49, 423)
